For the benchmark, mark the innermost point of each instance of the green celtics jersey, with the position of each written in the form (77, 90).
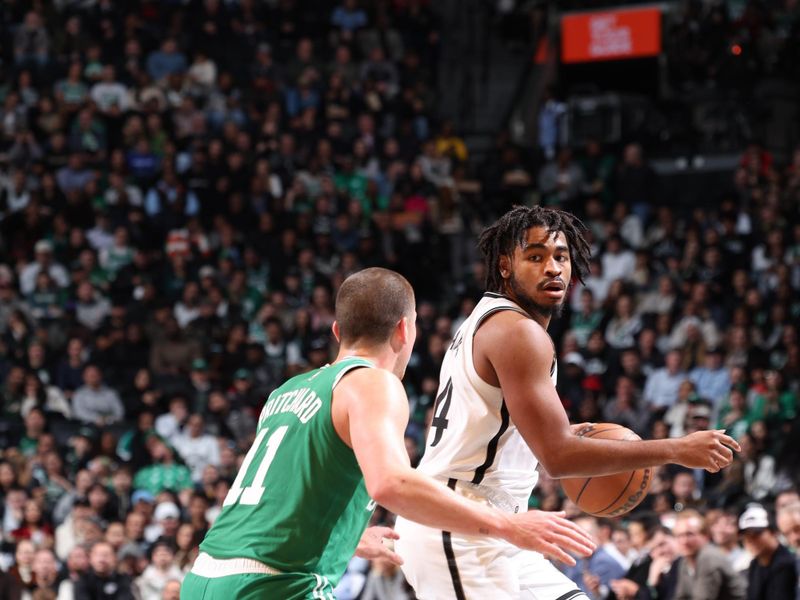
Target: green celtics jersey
(299, 503)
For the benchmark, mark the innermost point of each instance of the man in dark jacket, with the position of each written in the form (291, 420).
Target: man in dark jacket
(102, 582)
(773, 572)
(705, 573)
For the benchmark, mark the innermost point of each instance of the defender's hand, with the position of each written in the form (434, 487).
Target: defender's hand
(710, 450)
(551, 534)
(371, 545)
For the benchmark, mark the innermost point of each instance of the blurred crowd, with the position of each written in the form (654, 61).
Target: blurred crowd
(184, 185)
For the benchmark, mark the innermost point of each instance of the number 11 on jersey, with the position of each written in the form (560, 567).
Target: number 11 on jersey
(253, 492)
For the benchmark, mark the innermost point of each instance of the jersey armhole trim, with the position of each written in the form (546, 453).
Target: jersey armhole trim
(471, 370)
(357, 365)
(494, 311)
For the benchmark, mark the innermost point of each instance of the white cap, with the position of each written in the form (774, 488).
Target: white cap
(574, 358)
(754, 517)
(167, 510)
(43, 246)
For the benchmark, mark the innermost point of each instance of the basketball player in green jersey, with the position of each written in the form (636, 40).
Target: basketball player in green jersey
(329, 446)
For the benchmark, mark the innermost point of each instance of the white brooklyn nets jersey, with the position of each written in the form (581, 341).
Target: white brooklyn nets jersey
(471, 437)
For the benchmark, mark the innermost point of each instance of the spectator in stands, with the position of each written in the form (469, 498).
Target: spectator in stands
(773, 571)
(171, 424)
(32, 42)
(45, 572)
(102, 579)
(561, 180)
(43, 263)
(704, 570)
(172, 354)
(635, 179)
(661, 389)
(595, 573)
(712, 380)
(164, 472)
(227, 170)
(22, 571)
(95, 403)
(166, 61)
(153, 580)
(724, 529)
(197, 449)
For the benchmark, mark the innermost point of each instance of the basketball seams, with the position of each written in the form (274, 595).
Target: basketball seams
(627, 498)
(583, 488)
(621, 494)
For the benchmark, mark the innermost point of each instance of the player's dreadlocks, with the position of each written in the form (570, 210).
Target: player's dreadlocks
(500, 238)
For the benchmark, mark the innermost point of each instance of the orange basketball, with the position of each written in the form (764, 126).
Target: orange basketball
(608, 495)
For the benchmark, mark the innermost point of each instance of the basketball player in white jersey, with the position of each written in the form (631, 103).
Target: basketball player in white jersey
(498, 415)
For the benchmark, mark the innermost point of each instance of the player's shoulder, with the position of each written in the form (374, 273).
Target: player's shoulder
(512, 335)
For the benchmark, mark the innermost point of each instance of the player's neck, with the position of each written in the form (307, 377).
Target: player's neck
(383, 358)
(543, 320)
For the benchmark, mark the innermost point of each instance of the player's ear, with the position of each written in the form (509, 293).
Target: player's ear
(504, 265)
(335, 330)
(403, 330)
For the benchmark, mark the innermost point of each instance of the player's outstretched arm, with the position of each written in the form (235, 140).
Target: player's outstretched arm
(377, 415)
(520, 353)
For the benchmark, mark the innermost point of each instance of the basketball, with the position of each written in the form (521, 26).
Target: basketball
(608, 495)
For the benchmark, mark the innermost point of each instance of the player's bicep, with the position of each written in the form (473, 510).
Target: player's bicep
(378, 415)
(522, 363)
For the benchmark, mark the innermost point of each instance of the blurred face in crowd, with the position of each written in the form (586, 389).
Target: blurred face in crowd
(88, 531)
(83, 481)
(195, 425)
(785, 499)
(185, 537)
(78, 560)
(122, 481)
(7, 476)
(115, 535)
(92, 376)
(673, 361)
(663, 546)
(170, 526)
(621, 540)
(98, 497)
(537, 274)
(32, 512)
(162, 557)
(102, 559)
(44, 567)
(683, 486)
(630, 362)
(172, 590)
(689, 533)
(789, 525)
(725, 531)
(134, 526)
(34, 422)
(760, 543)
(637, 534)
(25, 553)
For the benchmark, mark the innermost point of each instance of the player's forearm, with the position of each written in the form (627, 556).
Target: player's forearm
(584, 457)
(424, 500)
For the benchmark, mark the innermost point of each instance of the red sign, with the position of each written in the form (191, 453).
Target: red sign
(611, 35)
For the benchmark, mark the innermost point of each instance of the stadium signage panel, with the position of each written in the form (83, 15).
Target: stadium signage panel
(611, 35)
